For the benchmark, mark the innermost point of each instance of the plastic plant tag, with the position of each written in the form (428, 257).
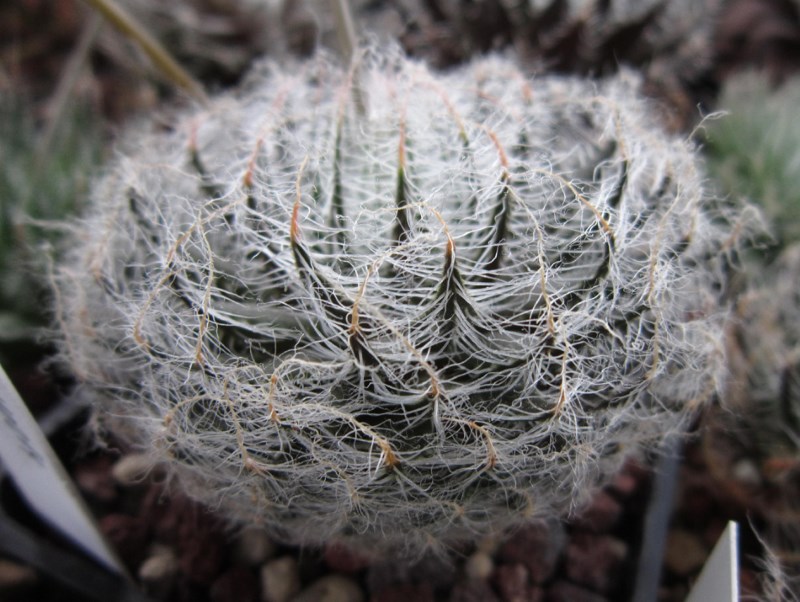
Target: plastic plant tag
(42, 480)
(719, 580)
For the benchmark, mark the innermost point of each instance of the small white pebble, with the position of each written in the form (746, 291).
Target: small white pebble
(280, 580)
(161, 565)
(488, 544)
(479, 566)
(746, 472)
(131, 469)
(331, 588)
(253, 547)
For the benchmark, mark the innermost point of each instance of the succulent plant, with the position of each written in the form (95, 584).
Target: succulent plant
(765, 381)
(36, 185)
(754, 149)
(752, 442)
(582, 35)
(668, 40)
(599, 35)
(408, 308)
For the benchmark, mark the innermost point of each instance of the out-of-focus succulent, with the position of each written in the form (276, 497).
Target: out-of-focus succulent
(669, 41)
(572, 35)
(762, 35)
(598, 36)
(753, 444)
(766, 378)
(395, 306)
(754, 150)
(36, 184)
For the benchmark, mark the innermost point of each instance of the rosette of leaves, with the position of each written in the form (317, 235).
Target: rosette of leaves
(754, 148)
(402, 307)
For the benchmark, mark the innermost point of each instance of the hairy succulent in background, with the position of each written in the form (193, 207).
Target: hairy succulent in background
(593, 36)
(766, 378)
(397, 306)
(753, 444)
(754, 150)
(589, 36)
(668, 40)
(762, 35)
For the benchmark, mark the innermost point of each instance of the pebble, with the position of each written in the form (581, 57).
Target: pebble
(746, 472)
(431, 571)
(595, 561)
(15, 576)
(92, 478)
(624, 484)
(538, 547)
(405, 592)
(641, 473)
(128, 535)
(600, 515)
(697, 499)
(158, 571)
(563, 591)
(131, 469)
(331, 588)
(160, 565)
(685, 552)
(488, 544)
(280, 580)
(237, 584)
(511, 581)
(341, 558)
(479, 566)
(473, 591)
(201, 547)
(253, 547)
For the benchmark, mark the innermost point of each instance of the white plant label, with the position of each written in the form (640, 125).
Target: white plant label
(42, 480)
(719, 580)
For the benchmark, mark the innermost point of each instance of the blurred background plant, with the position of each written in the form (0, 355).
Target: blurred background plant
(669, 42)
(752, 441)
(754, 150)
(44, 172)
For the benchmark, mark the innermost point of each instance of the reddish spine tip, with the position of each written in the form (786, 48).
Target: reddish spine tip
(294, 228)
(401, 149)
